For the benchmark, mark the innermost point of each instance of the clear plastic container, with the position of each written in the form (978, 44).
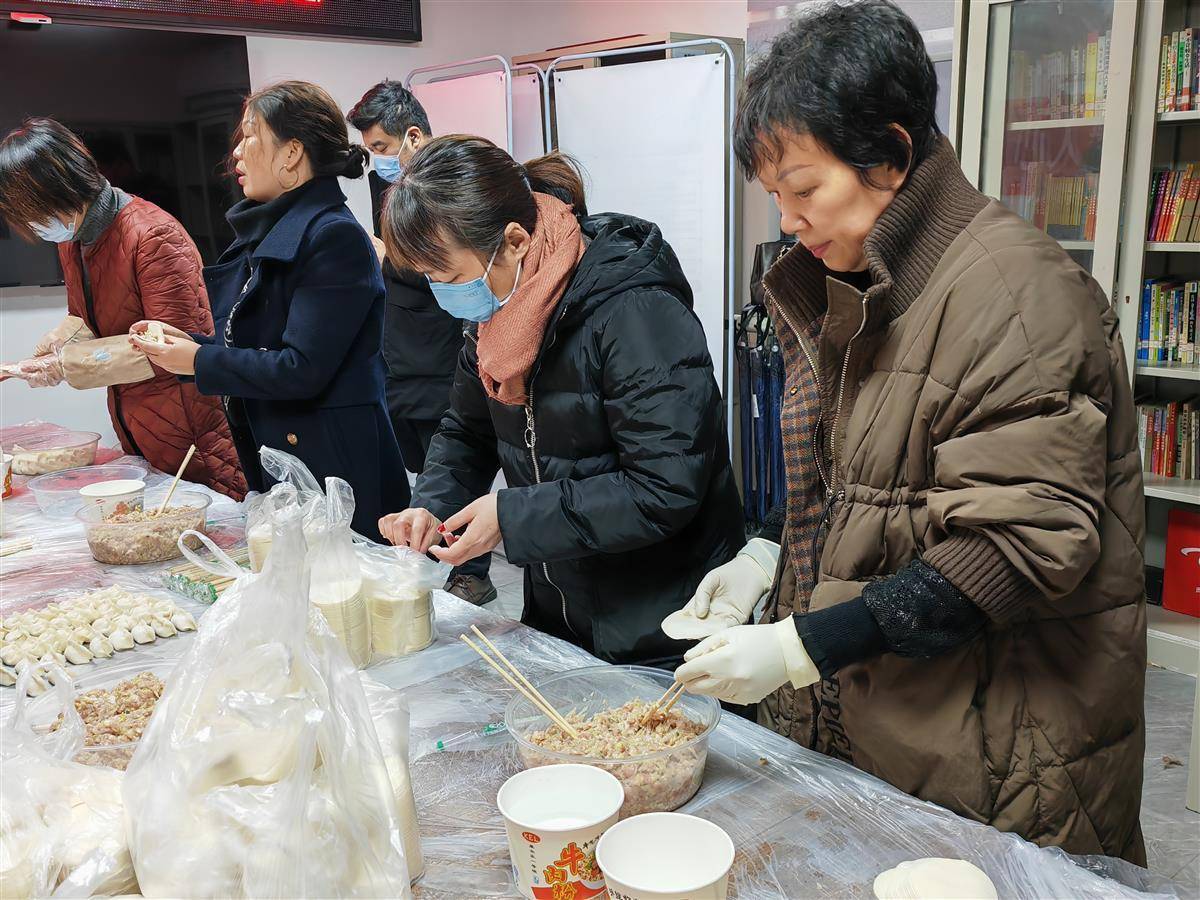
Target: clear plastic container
(57, 493)
(54, 452)
(43, 712)
(145, 538)
(655, 782)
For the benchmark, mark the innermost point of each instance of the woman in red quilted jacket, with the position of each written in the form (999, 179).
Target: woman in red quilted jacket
(123, 260)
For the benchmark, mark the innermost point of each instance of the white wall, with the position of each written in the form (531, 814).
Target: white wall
(454, 30)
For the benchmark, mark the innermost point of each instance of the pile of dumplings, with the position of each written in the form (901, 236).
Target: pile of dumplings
(88, 627)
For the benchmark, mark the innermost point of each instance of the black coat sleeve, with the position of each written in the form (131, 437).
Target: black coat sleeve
(462, 461)
(664, 418)
(915, 613)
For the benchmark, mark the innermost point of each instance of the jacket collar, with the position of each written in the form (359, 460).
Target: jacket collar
(935, 205)
(283, 239)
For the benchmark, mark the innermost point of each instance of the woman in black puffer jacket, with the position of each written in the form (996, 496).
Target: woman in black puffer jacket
(586, 379)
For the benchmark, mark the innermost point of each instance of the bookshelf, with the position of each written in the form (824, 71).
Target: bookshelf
(1035, 133)
(1079, 122)
(1120, 147)
(1173, 370)
(1159, 140)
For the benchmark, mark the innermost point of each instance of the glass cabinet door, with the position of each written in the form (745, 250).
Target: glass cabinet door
(1044, 128)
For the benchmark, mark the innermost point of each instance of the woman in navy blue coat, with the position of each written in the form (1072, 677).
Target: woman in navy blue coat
(298, 305)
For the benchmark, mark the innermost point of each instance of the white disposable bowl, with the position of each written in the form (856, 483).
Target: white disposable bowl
(108, 495)
(554, 816)
(666, 856)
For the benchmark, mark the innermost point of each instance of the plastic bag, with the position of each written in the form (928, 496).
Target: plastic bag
(397, 584)
(335, 582)
(389, 710)
(62, 828)
(295, 486)
(261, 774)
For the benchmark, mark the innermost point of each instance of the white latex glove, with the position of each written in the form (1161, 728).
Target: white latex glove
(745, 663)
(934, 879)
(38, 371)
(727, 595)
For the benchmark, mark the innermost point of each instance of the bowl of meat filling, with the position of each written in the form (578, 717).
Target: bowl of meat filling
(660, 763)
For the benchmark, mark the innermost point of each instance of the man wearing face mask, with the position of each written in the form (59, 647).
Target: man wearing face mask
(421, 341)
(123, 259)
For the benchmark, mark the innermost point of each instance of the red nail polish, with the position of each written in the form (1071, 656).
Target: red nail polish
(441, 529)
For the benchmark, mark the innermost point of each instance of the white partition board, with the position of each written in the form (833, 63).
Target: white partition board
(527, 117)
(651, 137)
(472, 104)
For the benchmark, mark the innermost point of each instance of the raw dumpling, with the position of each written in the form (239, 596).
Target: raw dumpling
(121, 639)
(183, 621)
(101, 647)
(8, 677)
(122, 621)
(162, 627)
(143, 633)
(102, 625)
(77, 654)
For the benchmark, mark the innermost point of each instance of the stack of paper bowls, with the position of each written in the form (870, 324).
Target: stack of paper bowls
(342, 603)
(401, 617)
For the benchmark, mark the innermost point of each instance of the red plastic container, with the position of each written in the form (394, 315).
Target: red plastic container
(1181, 578)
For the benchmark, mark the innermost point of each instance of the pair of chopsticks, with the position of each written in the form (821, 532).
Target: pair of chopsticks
(532, 694)
(174, 484)
(16, 546)
(664, 703)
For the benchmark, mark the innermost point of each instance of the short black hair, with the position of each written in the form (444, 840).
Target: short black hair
(45, 170)
(843, 73)
(390, 106)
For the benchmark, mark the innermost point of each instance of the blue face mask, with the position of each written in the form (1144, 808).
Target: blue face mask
(473, 300)
(54, 231)
(389, 168)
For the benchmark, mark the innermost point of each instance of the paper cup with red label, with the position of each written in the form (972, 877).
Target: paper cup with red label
(555, 816)
(665, 856)
(8, 458)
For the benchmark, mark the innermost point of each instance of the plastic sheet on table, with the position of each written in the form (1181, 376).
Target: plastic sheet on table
(803, 824)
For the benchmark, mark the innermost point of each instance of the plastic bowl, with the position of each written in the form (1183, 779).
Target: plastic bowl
(43, 710)
(54, 452)
(57, 493)
(656, 782)
(151, 539)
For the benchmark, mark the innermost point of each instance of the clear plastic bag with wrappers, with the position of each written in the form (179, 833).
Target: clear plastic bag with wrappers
(335, 581)
(295, 485)
(398, 585)
(62, 824)
(389, 710)
(261, 774)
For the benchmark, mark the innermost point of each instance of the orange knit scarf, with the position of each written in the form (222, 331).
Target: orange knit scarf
(510, 339)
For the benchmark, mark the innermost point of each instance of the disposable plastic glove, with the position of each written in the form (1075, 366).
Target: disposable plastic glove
(745, 663)
(727, 595)
(39, 371)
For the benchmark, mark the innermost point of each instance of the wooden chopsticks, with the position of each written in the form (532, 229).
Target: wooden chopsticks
(521, 683)
(174, 484)
(669, 698)
(16, 546)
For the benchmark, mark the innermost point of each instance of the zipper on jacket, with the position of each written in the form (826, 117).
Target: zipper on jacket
(837, 411)
(814, 444)
(531, 444)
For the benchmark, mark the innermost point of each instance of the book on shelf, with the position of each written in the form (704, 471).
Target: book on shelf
(1167, 323)
(1066, 84)
(1167, 438)
(1173, 200)
(1178, 75)
(1064, 206)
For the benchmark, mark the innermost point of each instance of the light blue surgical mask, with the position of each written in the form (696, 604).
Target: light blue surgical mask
(389, 168)
(54, 231)
(473, 300)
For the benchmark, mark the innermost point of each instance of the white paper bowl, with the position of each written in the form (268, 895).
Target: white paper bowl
(108, 495)
(554, 816)
(666, 856)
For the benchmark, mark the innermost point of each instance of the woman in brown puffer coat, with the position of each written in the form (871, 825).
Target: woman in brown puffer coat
(123, 260)
(958, 606)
